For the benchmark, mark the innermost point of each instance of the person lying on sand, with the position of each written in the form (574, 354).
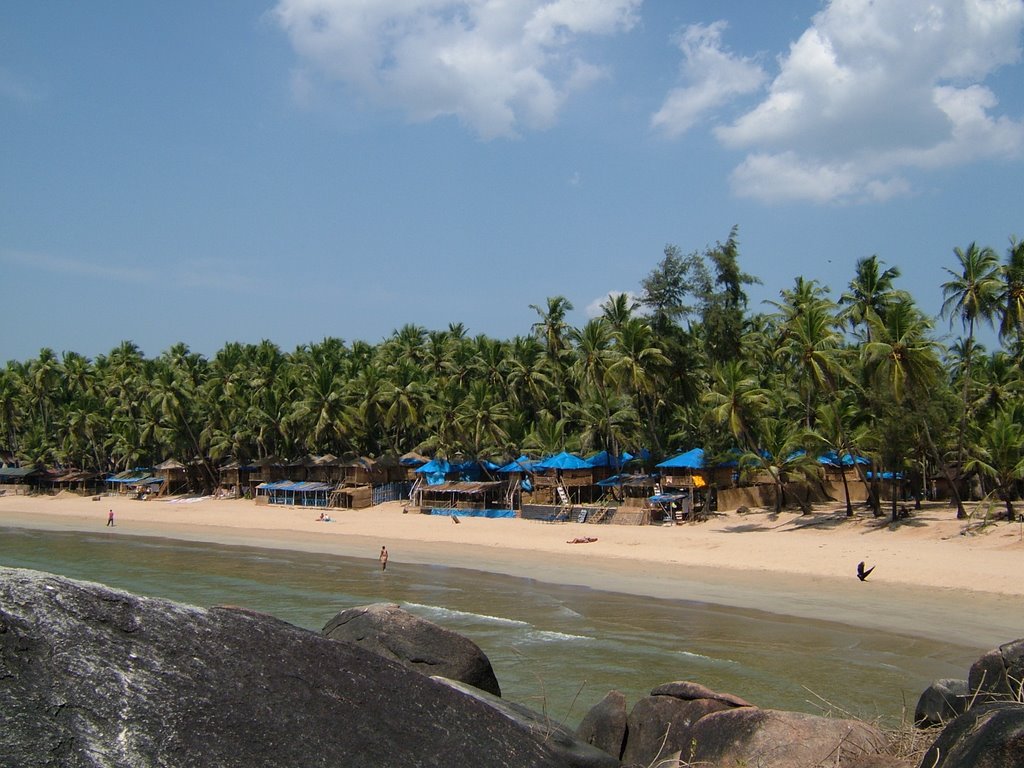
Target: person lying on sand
(581, 540)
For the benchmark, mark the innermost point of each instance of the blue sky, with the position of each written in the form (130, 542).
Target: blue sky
(212, 172)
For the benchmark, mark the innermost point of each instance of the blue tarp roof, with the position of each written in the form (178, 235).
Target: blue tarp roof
(132, 478)
(523, 464)
(832, 459)
(563, 461)
(435, 466)
(692, 459)
(290, 485)
(666, 497)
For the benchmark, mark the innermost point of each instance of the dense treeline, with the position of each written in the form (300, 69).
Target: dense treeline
(687, 364)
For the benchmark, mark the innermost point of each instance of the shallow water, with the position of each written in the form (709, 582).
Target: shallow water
(554, 648)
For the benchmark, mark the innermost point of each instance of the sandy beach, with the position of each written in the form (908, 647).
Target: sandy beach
(931, 579)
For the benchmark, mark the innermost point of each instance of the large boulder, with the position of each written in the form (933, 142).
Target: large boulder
(95, 676)
(562, 741)
(701, 727)
(753, 736)
(604, 725)
(987, 736)
(941, 702)
(999, 674)
(386, 629)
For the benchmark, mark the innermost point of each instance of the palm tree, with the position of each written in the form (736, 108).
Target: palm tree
(735, 400)
(903, 362)
(972, 296)
(1011, 297)
(871, 292)
(1001, 455)
(782, 452)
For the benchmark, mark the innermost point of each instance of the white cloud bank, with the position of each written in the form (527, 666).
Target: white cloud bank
(500, 67)
(871, 90)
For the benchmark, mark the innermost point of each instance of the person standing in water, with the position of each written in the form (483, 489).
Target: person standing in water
(383, 558)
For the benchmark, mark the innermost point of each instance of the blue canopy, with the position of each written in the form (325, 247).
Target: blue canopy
(692, 459)
(832, 459)
(522, 464)
(563, 461)
(434, 466)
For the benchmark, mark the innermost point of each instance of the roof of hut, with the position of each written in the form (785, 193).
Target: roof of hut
(170, 464)
(692, 459)
(563, 460)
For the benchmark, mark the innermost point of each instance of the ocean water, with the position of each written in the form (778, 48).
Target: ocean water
(554, 648)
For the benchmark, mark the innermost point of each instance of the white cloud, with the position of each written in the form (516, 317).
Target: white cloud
(874, 90)
(500, 67)
(714, 76)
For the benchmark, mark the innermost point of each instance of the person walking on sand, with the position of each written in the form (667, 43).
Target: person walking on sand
(110, 518)
(383, 558)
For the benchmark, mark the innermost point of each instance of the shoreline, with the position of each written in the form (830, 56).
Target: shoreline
(931, 580)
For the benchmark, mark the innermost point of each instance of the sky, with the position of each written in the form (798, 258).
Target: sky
(237, 171)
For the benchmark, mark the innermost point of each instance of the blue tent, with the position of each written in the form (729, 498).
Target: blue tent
(602, 459)
(522, 464)
(434, 471)
(692, 459)
(563, 461)
(832, 459)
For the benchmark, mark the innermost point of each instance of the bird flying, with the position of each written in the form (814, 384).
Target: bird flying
(863, 573)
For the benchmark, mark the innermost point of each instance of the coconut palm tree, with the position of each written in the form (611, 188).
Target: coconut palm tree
(971, 296)
(903, 363)
(870, 292)
(1000, 455)
(736, 401)
(1011, 296)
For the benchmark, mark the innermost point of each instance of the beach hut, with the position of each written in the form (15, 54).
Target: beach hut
(464, 498)
(269, 469)
(566, 480)
(293, 493)
(18, 479)
(173, 477)
(234, 480)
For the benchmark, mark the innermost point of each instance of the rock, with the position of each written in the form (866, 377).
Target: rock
(566, 745)
(386, 629)
(661, 726)
(604, 725)
(752, 736)
(999, 674)
(941, 702)
(701, 727)
(986, 736)
(95, 676)
(690, 691)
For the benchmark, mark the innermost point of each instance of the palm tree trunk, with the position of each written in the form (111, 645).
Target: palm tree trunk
(961, 513)
(846, 490)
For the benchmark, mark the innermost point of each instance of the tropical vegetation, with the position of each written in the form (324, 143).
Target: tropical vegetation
(685, 363)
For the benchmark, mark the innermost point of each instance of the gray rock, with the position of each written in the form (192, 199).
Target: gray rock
(999, 674)
(386, 629)
(662, 726)
(941, 702)
(604, 725)
(563, 742)
(93, 676)
(697, 726)
(690, 691)
(987, 736)
(752, 736)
